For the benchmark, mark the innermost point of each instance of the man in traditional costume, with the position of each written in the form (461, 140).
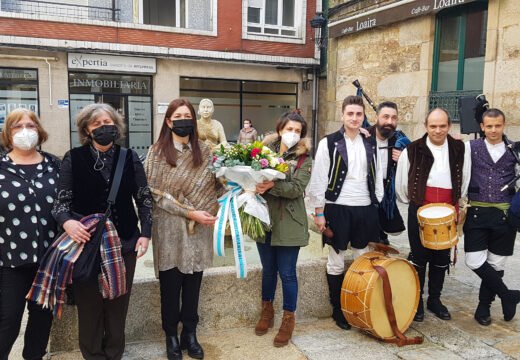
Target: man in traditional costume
(345, 190)
(431, 170)
(489, 236)
(390, 143)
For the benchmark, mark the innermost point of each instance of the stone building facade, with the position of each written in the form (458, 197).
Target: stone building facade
(410, 52)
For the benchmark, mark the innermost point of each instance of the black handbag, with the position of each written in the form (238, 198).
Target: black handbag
(87, 266)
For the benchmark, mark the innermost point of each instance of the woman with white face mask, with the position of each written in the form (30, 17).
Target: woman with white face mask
(289, 229)
(28, 180)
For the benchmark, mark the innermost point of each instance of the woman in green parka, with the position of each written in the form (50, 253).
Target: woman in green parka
(279, 250)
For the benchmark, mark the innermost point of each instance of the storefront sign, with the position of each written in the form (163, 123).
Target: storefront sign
(389, 14)
(63, 104)
(112, 63)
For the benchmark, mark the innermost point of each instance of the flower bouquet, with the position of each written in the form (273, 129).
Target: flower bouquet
(244, 166)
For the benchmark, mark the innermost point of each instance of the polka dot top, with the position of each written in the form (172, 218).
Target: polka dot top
(27, 194)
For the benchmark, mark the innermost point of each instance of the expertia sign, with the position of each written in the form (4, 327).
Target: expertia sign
(101, 62)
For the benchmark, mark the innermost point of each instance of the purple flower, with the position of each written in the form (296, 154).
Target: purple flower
(280, 160)
(264, 163)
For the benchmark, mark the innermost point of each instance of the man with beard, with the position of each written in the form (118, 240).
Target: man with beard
(385, 133)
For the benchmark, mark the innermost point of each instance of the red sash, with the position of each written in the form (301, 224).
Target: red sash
(439, 195)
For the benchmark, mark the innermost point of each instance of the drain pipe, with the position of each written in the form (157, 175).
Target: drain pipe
(315, 89)
(44, 58)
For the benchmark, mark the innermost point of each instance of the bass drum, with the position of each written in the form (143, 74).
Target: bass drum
(362, 297)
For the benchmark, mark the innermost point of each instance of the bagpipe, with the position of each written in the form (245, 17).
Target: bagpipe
(388, 203)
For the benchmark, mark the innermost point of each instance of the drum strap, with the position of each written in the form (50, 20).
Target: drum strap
(400, 339)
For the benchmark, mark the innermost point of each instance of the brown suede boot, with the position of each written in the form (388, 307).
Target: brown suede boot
(286, 329)
(266, 318)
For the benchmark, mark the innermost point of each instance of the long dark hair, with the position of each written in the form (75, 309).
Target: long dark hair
(164, 144)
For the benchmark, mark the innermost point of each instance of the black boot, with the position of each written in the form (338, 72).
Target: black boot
(189, 341)
(335, 282)
(436, 276)
(493, 281)
(173, 349)
(485, 298)
(421, 273)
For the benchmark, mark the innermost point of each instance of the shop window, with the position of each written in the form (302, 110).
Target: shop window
(273, 17)
(191, 14)
(235, 100)
(18, 89)
(130, 95)
(460, 47)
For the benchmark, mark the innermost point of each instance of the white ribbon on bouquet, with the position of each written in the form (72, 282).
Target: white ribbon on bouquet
(242, 182)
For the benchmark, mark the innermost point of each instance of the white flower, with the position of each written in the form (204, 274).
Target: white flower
(265, 150)
(273, 162)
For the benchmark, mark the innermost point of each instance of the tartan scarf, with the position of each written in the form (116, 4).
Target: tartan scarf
(55, 270)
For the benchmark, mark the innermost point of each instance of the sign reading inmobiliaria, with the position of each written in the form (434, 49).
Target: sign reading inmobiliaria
(389, 14)
(112, 63)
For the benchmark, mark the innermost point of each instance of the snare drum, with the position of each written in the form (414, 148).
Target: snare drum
(437, 226)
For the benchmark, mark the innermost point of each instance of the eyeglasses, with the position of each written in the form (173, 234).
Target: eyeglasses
(28, 126)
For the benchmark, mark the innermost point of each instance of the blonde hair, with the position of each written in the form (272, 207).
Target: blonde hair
(90, 113)
(13, 118)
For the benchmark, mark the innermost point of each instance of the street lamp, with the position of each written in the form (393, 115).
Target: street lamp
(319, 23)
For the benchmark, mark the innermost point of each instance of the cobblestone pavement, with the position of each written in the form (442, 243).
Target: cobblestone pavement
(460, 338)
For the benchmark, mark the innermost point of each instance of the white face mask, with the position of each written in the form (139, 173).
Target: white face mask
(290, 139)
(25, 139)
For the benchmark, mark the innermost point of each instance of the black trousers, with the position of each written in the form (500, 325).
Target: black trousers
(438, 260)
(102, 321)
(14, 285)
(172, 284)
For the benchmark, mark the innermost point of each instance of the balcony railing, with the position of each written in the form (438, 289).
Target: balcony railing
(62, 10)
(449, 100)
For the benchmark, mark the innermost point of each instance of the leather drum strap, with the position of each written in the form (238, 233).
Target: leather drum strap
(399, 339)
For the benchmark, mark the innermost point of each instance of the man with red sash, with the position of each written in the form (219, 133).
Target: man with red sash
(489, 235)
(431, 170)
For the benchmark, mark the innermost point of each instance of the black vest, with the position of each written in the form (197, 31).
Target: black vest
(339, 164)
(91, 190)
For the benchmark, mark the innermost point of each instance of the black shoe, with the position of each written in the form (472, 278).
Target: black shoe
(436, 307)
(340, 320)
(189, 341)
(173, 349)
(509, 304)
(482, 315)
(419, 315)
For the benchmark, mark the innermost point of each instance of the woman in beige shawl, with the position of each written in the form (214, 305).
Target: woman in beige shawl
(185, 204)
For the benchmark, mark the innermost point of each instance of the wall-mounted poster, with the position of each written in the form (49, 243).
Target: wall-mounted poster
(3, 115)
(22, 106)
(11, 107)
(32, 107)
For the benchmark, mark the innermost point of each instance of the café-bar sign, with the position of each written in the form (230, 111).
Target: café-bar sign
(102, 62)
(389, 14)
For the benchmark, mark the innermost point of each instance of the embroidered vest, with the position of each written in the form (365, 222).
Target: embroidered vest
(339, 165)
(488, 177)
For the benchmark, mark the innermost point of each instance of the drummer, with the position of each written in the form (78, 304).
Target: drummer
(431, 170)
(345, 195)
(489, 237)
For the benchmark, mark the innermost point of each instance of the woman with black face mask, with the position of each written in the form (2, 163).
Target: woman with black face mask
(84, 184)
(185, 196)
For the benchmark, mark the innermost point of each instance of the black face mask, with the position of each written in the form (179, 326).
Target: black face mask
(105, 134)
(182, 127)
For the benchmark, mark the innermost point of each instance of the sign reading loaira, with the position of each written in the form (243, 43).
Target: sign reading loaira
(389, 14)
(102, 62)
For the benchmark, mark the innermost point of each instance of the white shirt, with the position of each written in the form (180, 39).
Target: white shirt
(384, 155)
(439, 175)
(179, 146)
(354, 191)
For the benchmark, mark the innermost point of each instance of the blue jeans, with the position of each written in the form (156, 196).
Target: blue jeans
(279, 260)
